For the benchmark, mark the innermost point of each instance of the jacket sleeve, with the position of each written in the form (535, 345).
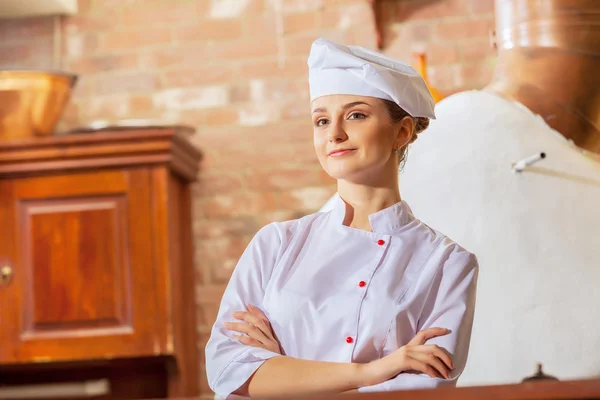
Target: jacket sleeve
(229, 363)
(450, 304)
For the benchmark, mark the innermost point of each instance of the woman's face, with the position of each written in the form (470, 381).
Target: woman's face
(355, 138)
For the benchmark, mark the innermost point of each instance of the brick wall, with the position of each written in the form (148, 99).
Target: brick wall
(236, 70)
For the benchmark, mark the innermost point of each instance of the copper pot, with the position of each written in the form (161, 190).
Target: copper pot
(32, 102)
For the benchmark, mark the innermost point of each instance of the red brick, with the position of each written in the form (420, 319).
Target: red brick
(223, 247)
(481, 6)
(208, 316)
(37, 54)
(126, 83)
(292, 67)
(80, 22)
(246, 48)
(429, 10)
(109, 108)
(437, 54)
(199, 75)
(217, 272)
(230, 8)
(363, 35)
(280, 155)
(216, 29)
(307, 199)
(195, 98)
(292, 134)
(297, 109)
(330, 18)
(409, 35)
(163, 57)
(275, 89)
(259, 25)
(239, 93)
(210, 294)
(465, 29)
(476, 75)
(104, 63)
(214, 138)
(444, 77)
(279, 216)
(260, 68)
(476, 51)
(299, 45)
(85, 87)
(149, 11)
(241, 204)
(298, 133)
(284, 179)
(224, 227)
(259, 114)
(298, 22)
(400, 46)
(81, 45)
(26, 28)
(295, 6)
(141, 106)
(345, 2)
(136, 38)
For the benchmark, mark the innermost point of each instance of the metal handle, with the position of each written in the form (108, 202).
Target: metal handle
(6, 273)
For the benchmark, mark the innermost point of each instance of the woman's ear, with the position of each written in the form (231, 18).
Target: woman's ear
(404, 131)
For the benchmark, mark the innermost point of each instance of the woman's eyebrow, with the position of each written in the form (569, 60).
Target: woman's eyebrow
(355, 103)
(345, 107)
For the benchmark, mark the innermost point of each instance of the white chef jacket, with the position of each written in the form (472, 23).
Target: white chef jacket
(340, 294)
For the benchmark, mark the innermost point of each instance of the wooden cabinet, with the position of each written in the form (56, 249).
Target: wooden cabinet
(96, 256)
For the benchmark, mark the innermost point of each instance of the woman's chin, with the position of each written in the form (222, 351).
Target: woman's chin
(345, 174)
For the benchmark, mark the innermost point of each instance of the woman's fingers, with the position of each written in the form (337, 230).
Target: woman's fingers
(436, 351)
(258, 312)
(249, 341)
(433, 361)
(421, 366)
(423, 336)
(254, 320)
(266, 324)
(248, 329)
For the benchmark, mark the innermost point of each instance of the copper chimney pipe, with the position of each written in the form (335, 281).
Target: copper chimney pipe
(549, 60)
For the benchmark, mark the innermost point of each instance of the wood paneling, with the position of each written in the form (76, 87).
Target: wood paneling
(97, 234)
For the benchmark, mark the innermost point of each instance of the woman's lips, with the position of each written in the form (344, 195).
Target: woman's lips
(340, 152)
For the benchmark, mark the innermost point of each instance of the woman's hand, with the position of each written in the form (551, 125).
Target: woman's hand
(258, 328)
(414, 356)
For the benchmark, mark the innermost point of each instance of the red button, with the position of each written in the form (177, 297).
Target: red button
(381, 242)
(349, 340)
(362, 283)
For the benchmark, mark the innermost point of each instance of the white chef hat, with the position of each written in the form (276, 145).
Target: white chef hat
(338, 69)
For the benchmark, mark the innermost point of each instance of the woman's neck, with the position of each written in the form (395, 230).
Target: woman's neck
(364, 200)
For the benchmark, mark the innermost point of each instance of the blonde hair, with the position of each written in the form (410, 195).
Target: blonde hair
(396, 114)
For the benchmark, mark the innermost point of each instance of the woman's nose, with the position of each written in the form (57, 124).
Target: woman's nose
(336, 132)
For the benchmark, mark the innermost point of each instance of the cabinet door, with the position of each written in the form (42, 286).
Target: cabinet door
(81, 282)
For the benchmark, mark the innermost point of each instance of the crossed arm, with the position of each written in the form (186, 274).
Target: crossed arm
(286, 375)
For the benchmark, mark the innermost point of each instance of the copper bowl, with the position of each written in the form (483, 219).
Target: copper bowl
(32, 102)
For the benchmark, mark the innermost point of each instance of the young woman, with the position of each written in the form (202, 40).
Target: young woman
(364, 297)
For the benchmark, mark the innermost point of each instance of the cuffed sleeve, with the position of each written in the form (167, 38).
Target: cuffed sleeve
(449, 304)
(229, 363)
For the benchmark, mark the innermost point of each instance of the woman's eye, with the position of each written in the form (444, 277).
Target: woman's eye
(321, 122)
(357, 115)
